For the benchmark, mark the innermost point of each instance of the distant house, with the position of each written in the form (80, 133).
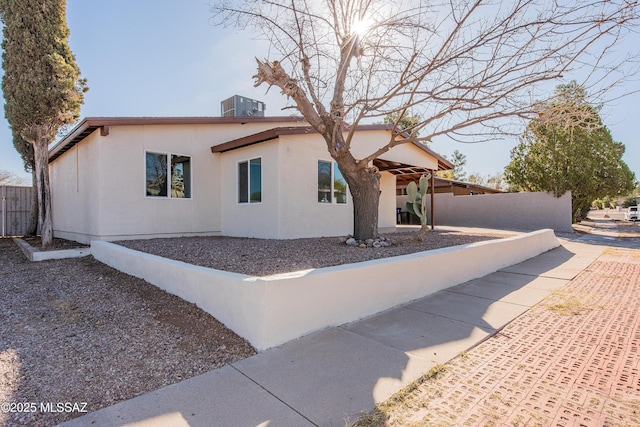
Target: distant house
(265, 177)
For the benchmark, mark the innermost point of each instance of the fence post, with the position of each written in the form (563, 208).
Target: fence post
(4, 206)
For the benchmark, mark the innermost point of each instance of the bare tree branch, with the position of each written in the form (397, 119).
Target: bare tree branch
(468, 68)
(9, 178)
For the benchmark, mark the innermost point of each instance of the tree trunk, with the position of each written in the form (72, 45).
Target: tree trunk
(45, 217)
(364, 185)
(32, 226)
(421, 234)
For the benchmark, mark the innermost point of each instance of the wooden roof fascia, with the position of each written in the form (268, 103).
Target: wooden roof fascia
(443, 164)
(88, 125)
(194, 120)
(263, 136)
(277, 132)
(85, 128)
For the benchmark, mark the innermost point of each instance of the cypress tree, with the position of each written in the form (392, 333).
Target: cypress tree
(42, 85)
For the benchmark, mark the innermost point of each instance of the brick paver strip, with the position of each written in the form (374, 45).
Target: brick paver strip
(547, 368)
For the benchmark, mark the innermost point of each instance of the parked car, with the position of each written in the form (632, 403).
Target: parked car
(631, 214)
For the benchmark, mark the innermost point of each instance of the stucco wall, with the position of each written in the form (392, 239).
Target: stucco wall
(269, 311)
(300, 213)
(290, 207)
(509, 211)
(74, 191)
(387, 208)
(250, 219)
(112, 191)
(126, 208)
(98, 186)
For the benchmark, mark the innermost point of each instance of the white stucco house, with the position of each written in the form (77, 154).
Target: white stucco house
(264, 177)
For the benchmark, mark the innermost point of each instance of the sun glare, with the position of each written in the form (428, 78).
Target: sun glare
(361, 27)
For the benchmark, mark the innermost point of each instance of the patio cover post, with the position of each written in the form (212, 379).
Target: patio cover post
(433, 181)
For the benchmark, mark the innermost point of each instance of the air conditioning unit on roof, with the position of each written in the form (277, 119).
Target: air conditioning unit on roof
(240, 106)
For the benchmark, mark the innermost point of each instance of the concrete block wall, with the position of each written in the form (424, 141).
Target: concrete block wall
(507, 211)
(272, 310)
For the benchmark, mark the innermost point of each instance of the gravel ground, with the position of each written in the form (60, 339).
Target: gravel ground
(80, 332)
(261, 257)
(76, 331)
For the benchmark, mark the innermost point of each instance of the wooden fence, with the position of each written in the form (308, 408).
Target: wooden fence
(16, 205)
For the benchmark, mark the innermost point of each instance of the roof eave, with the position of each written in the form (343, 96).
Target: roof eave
(90, 124)
(443, 164)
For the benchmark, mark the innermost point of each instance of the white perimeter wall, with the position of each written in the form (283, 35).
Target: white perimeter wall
(269, 311)
(508, 211)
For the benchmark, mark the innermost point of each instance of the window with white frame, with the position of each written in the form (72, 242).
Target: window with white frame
(250, 181)
(168, 175)
(332, 187)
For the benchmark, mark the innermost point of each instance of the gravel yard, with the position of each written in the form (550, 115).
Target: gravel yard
(78, 331)
(261, 257)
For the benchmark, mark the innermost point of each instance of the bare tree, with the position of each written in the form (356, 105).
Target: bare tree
(10, 178)
(462, 66)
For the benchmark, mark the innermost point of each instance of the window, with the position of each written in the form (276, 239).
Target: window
(332, 187)
(180, 176)
(250, 181)
(166, 178)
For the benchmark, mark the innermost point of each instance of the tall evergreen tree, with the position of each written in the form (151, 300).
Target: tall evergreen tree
(458, 160)
(568, 148)
(42, 85)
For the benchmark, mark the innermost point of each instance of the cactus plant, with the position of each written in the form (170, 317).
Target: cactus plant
(418, 201)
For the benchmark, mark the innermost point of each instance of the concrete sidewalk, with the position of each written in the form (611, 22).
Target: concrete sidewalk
(572, 360)
(331, 377)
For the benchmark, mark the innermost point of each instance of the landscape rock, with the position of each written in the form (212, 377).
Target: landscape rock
(262, 257)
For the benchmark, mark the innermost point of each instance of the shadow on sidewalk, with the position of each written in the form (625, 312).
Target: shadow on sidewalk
(334, 376)
(331, 377)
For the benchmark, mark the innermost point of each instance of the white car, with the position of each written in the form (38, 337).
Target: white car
(631, 214)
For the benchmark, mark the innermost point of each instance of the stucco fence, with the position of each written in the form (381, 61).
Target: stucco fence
(505, 211)
(271, 310)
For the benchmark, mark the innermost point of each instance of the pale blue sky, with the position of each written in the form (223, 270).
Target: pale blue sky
(150, 58)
